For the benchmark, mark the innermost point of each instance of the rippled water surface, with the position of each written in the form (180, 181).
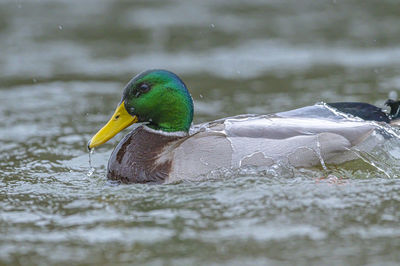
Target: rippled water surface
(62, 68)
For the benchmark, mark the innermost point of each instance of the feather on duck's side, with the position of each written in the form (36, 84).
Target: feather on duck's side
(265, 140)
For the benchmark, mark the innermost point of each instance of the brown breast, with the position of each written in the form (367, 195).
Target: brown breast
(134, 158)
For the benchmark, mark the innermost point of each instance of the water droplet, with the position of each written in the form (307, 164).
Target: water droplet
(60, 27)
(212, 25)
(90, 172)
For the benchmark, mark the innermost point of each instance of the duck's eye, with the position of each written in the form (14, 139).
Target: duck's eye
(140, 89)
(144, 88)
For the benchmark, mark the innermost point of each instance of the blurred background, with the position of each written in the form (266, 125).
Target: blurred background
(240, 56)
(63, 65)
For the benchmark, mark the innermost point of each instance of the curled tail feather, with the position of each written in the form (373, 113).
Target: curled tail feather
(394, 109)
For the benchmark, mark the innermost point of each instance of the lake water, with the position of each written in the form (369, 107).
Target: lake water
(63, 65)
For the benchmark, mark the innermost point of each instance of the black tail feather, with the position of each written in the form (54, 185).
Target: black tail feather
(368, 111)
(394, 108)
(365, 111)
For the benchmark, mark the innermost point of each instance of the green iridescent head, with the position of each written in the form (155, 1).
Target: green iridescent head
(157, 97)
(161, 99)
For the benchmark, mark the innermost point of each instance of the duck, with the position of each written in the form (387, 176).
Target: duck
(165, 147)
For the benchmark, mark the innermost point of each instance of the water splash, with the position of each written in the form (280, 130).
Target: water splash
(319, 154)
(371, 161)
(91, 168)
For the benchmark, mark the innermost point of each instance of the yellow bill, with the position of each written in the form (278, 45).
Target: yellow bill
(119, 120)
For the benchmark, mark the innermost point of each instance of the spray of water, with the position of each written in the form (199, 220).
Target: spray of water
(91, 168)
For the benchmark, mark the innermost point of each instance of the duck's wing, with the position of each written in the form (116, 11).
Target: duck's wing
(274, 127)
(265, 140)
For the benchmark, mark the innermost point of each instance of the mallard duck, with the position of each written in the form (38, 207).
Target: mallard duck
(166, 148)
